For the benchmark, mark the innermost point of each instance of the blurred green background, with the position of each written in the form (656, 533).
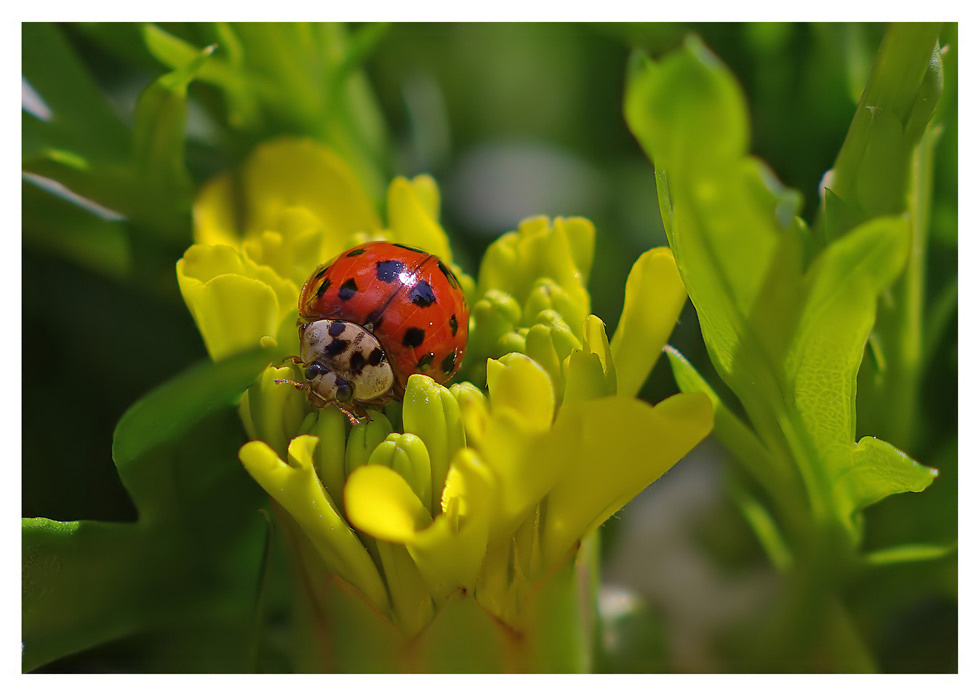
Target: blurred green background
(512, 120)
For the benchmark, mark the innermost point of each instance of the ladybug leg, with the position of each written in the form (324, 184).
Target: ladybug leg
(354, 413)
(302, 386)
(311, 395)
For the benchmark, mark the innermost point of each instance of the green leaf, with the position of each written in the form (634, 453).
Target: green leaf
(871, 172)
(763, 525)
(687, 108)
(874, 469)
(738, 437)
(85, 583)
(224, 70)
(167, 413)
(839, 311)
(158, 145)
(80, 234)
(772, 470)
(80, 112)
(909, 553)
(787, 342)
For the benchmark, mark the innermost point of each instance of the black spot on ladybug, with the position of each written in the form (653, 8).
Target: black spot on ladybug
(373, 321)
(413, 338)
(315, 369)
(389, 270)
(335, 348)
(410, 248)
(421, 295)
(449, 362)
(377, 355)
(355, 252)
(336, 328)
(348, 289)
(425, 361)
(357, 363)
(453, 324)
(319, 274)
(450, 276)
(323, 288)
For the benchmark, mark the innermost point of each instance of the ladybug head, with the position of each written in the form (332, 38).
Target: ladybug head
(345, 364)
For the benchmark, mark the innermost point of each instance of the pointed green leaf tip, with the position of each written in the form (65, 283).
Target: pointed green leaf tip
(687, 108)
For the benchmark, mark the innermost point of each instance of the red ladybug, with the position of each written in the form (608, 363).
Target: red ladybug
(372, 317)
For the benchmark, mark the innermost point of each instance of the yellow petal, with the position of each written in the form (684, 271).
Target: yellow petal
(214, 213)
(215, 303)
(522, 467)
(611, 449)
(234, 302)
(297, 172)
(450, 552)
(597, 343)
(584, 379)
(411, 221)
(380, 502)
(427, 192)
(654, 298)
(517, 383)
(296, 488)
(580, 233)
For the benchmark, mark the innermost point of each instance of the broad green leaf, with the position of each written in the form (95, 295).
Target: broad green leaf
(729, 220)
(165, 415)
(839, 311)
(85, 583)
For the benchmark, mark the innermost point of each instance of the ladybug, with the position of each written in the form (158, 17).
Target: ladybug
(372, 317)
